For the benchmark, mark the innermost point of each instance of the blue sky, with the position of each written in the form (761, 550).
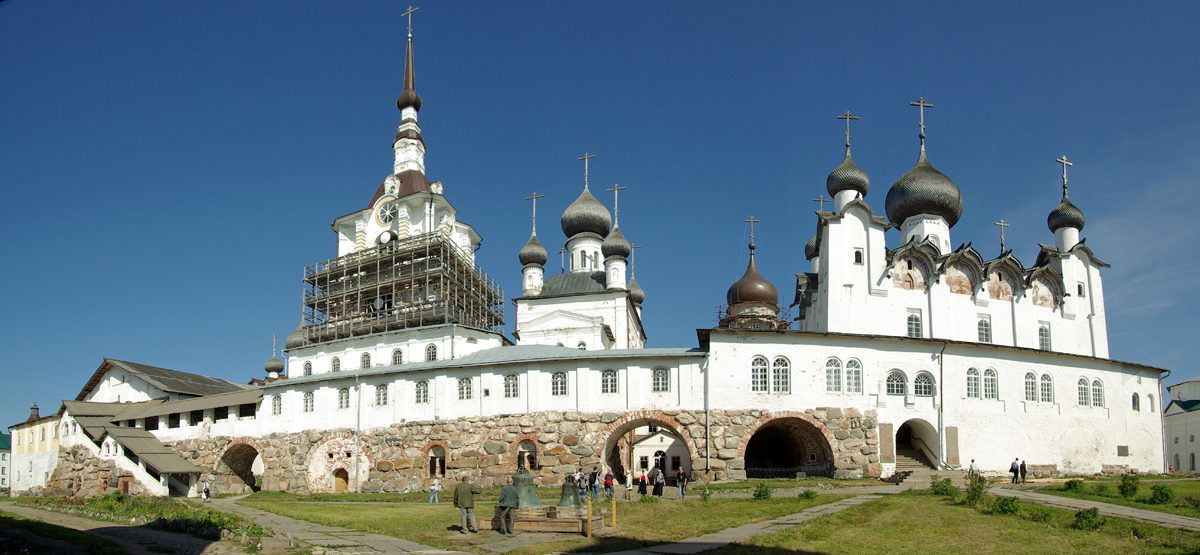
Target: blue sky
(169, 168)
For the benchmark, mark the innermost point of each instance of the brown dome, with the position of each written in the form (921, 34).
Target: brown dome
(752, 288)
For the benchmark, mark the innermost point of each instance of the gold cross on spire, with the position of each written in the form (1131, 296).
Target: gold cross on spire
(409, 14)
(847, 117)
(585, 159)
(821, 199)
(1002, 225)
(920, 103)
(751, 220)
(616, 211)
(1064, 163)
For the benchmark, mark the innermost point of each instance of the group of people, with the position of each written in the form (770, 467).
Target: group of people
(657, 479)
(1017, 468)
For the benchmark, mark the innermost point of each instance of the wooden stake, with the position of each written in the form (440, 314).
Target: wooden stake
(589, 517)
(614, 511)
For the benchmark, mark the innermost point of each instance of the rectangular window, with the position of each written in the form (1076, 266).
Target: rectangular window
(173, 420)
(152, 423)
(1079, 288)
(914, 323)
(220, 413)
(644, 462)
(675, 463)
(381, 395)
(247, 410)
(197, 417)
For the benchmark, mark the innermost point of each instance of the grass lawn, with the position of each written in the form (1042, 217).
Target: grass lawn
(1180, 507)
(547, 495)
(640, 524)
(92, 545)
(793, 483)
(920, 523)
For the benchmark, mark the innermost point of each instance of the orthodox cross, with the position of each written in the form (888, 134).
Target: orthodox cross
(1002, 225)
(920, 103)
(562, 264)
(616, 211)
(1064, 163)
(585, 159)
(847, 117)
(752, 221)
(273, 338)
(821, 199)
(534, 199)
(632, 261)
(409, 14)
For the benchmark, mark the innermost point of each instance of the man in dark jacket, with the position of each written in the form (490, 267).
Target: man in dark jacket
(464, 499)
(509, 499)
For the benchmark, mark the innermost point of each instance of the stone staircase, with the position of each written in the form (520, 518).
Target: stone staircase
(913, 468)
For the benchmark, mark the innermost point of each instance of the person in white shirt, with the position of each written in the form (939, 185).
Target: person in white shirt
(973, 469)
(433, 491)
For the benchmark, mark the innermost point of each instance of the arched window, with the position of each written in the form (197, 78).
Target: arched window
(608, 381)
(512, 385)
(276, 404)
(1084, 389)
(344, 398)
(397, 357)
(431, 352)
(364, 361)
(661, 380)
(381, 399)
(335, 365)
(422, 392)
(581, 346)
(1177, 468)
(1044, 337)
(1047, 388)
(914, 325)
(308, 369)
(1097, 393)
(558, 384)
(923, 385)
(833, 375)
(1191, 462)
(781, 376)
(985, 331)
(758, 374)
(1031, 387)
(858, 256)
(972, 383)
(853, 376)
(465, 391)
(1150, 402)
(990, 384)
(1137, 403)
(308, 401)
(896, 384)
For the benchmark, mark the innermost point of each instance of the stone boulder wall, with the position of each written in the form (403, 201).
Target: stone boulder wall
(79, 473)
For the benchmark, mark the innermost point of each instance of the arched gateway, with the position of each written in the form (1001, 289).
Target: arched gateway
(235, 468)
(785, 445)
(671, 437)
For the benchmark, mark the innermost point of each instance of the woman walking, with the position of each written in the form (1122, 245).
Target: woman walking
(433, 491)
(642, 484)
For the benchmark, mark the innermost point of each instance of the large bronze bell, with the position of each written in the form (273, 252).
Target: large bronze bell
(570, 493)
(526, 495)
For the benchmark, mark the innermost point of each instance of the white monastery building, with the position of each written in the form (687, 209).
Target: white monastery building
(399, 371)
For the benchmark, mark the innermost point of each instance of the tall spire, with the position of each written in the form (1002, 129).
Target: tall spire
(409, 96)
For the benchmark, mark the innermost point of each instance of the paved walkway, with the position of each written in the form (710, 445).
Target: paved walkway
(1167, 520)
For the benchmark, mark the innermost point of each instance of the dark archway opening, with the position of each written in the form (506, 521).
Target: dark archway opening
(788, 448)
(640, 446)
(437, 462)
(237, 464)
(904, 437)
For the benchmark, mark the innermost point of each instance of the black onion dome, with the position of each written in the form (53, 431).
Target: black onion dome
(924, 190)
(298, 338)
(810, 250)
(635, 292)
(847, 177)
(1065, 215)
(616, 245)
(533, 252)
(586, 214)
(409, 97)
(752, 288)
(273, 365)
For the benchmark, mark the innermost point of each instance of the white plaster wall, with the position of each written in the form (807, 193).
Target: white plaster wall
(119, 386)
(614, 308)
(33, 469)
(452, 341)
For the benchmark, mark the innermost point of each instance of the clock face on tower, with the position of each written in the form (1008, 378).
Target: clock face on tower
(387, 213)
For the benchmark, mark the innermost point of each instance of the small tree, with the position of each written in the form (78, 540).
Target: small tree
(1129, 486)
(762, 491)
(977, 487)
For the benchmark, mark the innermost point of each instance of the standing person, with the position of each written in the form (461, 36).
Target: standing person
(973, 469)
(581, 482)
(509, 499)
(682, 481)
(628, 486)
(1022, 472)
(206, 496)
(464, 499)
(433, 491)
(642, 484)
(660, 480)
(608, 483)
(594, 483)
(1015, 468)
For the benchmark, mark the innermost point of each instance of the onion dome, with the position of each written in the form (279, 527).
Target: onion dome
(409, 97)
(586, 214)
(847, 177)
(752, 288)
(1065, 215)
(635, 292)
(616, 245)
(810, 250)
(533, 252)
(924, 190)
(298, 338)
(273, 365)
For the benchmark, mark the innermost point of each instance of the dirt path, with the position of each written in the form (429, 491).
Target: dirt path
(135, 539)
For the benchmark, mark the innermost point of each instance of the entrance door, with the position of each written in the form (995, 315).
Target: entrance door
(340, 480)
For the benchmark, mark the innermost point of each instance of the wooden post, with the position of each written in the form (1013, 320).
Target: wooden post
(589, 517)
(614, 511)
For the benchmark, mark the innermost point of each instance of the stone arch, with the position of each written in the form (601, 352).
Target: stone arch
(334, 451)
(514, 451)
(799, 437)
(427, 452)
(916, 436)
(634, 419)
(234, 467)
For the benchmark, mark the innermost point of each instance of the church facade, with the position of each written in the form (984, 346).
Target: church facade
(400, 372)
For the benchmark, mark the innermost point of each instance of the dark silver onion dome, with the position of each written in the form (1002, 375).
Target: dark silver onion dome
(616, 245)
(1065, 215)
(847, 177)
(586, 214)
(752, 288)
(810, 250)
(409, 97)
(924, 190)
(273, 365)
(298, 338)
(635, 292)
(533, 252)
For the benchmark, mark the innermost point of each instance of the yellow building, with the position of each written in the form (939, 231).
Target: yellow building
(34, 451)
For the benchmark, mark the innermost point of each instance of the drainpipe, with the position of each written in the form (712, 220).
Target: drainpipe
(707, 435)
(942, 407)
(1162, 423)
(357, 431)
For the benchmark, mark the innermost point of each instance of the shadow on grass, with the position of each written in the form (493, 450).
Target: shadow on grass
(22, 535)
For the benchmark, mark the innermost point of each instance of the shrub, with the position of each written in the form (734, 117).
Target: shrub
(943, 486)
(809, 494)
(1162, 494)
(705, 493)
(977, 487)
(1129, 485)
(1006, 506)
(1038, 513)
(647, 498)
(762, 491)
(1193, 501)
(1074, 486)
(1089, 519)
(1101, 489)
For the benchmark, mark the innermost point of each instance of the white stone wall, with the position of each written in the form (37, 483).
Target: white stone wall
(119, 386)
(32, 470)
(613, 308)
(452, 341)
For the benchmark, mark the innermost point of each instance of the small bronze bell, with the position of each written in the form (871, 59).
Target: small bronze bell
(570, 493)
